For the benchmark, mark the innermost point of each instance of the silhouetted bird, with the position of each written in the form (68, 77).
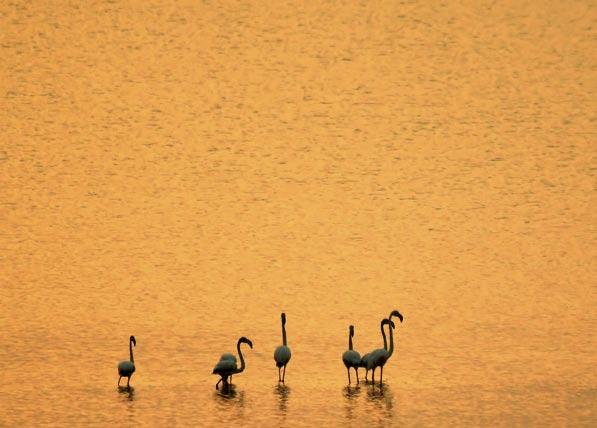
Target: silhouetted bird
(230, 357)
(373, 359)
(351, 358)
(282, 353)
(380, 357)
(365, 358)
(127, 368)
(226, 367)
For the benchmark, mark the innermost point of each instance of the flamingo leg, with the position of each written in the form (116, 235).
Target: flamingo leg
(356, 369)
(279, 374)
(226, 385)
(373, 376)
(284, 374)
(348, 370)
(366, 375)
(128, 381)
(381, 376)
(230, 380)
(218, 383)
(120, 377)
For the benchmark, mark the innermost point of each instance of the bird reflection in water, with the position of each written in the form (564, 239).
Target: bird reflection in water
(127, 392)
(382, 399)
(351, 393)
(229, 397)
(231, 402)
(282, 391)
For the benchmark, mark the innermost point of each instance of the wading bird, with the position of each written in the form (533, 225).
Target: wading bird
(127, 368)
(282, 353)
(225, 368)
(228, 356)
(380, 357)
(373, 360)
(365, 358)
(351, 358)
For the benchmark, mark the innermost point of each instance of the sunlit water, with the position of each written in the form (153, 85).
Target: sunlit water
(185, 173)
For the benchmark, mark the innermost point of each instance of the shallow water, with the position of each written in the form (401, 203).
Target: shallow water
(185, 173)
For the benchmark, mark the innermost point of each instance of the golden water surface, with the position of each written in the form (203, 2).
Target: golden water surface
(185, 171)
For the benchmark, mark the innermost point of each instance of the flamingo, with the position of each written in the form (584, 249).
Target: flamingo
(127, 368)
(351, 358)
(380, 357)
(230, 357)
(225, 368)
(365, 357)
(282, 353)
(374, 357)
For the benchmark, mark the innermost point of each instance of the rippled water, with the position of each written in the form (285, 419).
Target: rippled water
(186, 172)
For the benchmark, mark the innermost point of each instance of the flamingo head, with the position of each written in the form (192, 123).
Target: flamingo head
(395, 313)
(387, 321)
(351, 330)
(132, 339)
(283, 316)
(247, 341)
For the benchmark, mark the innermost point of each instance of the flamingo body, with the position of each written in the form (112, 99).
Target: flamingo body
(282, 355)
(351, 359)
(224, 368)
(228, 356)
(378, 358)
(126, 368)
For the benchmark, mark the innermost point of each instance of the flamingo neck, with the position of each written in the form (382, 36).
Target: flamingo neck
(131, 351)
(391, 350)
(383, 333)
(350, 341)
(283, 334)
(242, 360)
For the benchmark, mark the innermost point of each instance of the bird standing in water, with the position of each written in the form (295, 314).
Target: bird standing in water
(230, 357)
(282, 353)
(351, 358)
(365, 358)
(373, 359)
(380, 357)
(127, 368)
(227, 367)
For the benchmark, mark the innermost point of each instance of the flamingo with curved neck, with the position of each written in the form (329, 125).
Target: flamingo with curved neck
(240, 354)
(366, 357)
(225, 368)
(381, 356)
(127, 368)
(375, 357)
